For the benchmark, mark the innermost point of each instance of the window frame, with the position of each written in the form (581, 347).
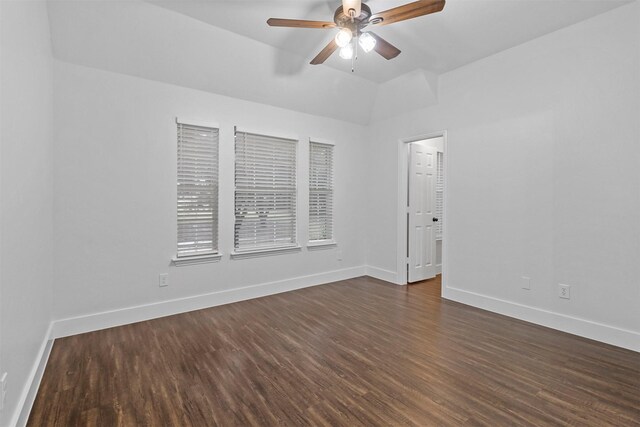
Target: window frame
(331, 241)
(214, 255)
(250, 252)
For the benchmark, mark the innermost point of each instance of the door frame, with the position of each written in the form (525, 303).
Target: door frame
(403, 190)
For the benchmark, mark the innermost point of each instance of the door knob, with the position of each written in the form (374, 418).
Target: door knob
(435, 219)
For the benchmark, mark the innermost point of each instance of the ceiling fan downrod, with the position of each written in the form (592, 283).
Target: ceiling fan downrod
(352, 8)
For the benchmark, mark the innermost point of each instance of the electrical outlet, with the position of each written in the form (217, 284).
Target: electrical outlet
(526, 283)
(163, 280)
(3, 390)
(564, 291)
(339, 254)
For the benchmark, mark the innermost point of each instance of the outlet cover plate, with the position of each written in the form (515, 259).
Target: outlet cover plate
(564, 291)
(163, 280)
(526, 283)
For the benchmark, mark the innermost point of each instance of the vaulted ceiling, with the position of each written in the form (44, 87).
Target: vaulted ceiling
(226, 47)
(465, 31)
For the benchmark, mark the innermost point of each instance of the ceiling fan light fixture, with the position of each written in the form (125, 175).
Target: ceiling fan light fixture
(367, 42)
(351, 18)
(343, 38)
(346, 52)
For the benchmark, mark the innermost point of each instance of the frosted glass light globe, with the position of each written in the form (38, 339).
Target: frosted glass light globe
(346, 52)
(343, 37)
(367, 42)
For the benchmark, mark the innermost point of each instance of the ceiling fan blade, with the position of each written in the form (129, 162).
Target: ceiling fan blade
(325, 53)
(384, 48)
(299, 23)
(407, 11)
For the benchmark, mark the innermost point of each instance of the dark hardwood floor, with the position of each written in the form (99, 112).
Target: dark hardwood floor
(357, 352)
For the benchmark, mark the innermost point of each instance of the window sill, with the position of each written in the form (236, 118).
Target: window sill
(321, 244)
(195, 259)
(265, 252)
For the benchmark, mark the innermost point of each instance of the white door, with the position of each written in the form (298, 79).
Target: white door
(422, 204)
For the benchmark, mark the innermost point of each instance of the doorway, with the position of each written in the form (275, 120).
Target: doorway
(421, 252)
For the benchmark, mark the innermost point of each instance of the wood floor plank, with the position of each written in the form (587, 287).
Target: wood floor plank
(356, 352)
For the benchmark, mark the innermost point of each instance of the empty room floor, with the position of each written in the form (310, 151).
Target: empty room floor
(355, 352)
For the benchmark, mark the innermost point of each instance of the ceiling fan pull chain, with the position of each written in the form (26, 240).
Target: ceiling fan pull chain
(353, 60)
(355, 55)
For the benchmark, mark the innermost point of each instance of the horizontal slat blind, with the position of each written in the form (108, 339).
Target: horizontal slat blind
(197, 190)
(439, 194)
(265, 195)
(320, 191)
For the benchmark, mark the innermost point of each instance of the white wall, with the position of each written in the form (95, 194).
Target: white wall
(26, 193)
(544, 172)
(115, 206)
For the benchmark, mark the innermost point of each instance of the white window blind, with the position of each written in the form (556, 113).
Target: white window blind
(320, 191)
(439, 194)
(265, 193)
(197, 190)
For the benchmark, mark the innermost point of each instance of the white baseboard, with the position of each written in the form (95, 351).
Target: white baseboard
(127, 315)
(30, 389)
(379, 273)
(582, 327)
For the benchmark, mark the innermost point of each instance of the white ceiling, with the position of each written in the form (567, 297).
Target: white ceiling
(139, 39)
(465, 31)
(226, 47)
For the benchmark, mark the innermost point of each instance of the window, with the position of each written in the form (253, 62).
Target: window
(197, 190)
(265, 193)
(320, 192)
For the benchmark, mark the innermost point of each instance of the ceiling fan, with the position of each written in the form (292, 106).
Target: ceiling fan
(352, 18)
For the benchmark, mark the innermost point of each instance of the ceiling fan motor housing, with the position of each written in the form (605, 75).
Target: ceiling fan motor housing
(343, 20)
